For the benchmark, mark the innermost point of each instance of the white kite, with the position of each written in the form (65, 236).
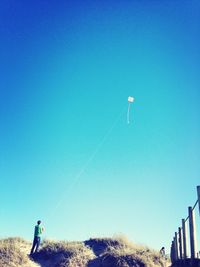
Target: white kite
(130, 100)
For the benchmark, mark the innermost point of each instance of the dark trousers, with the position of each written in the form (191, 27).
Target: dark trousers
(36, 243)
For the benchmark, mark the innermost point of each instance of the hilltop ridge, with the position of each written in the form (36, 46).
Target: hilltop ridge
(95, 252)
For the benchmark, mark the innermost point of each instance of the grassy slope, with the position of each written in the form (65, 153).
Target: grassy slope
(13, 253)
(98, 252)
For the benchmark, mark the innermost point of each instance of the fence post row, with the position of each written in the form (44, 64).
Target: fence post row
(179, 247)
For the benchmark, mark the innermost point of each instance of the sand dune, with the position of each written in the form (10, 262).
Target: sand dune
(97, 252)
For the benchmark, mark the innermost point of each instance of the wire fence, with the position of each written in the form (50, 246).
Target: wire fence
(185, 241)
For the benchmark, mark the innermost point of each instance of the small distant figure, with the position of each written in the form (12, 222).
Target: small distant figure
(37, 237)
(162, 252)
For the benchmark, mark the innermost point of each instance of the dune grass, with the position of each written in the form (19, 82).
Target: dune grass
(64, 253)
(95, 252)
(120, 252)
(11, 254)
(98, 252)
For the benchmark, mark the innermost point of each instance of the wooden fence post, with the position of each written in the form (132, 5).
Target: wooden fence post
(192, 233)
(180, 243)
(185, 240)
(172, 255)
(198, 194)
(176, 246)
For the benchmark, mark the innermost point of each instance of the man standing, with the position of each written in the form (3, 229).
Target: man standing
(37, 237)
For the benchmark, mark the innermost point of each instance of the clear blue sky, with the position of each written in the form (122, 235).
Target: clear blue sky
(67, 68)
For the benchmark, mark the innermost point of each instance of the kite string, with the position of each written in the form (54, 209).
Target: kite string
(90, 159)
(128, 113)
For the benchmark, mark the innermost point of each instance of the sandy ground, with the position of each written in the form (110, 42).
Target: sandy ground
(26, 250)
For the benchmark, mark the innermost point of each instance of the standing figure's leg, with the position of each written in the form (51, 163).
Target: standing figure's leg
(37, 244)
(34, 244)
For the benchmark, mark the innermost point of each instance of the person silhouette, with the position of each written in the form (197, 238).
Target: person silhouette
(162, 252)
(37, 237)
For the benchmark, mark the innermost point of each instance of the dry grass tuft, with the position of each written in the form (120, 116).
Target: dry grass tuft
(120, 252)
(64, 254)
(12, 254)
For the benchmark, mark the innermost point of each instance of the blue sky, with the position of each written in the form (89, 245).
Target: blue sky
(67, 155)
